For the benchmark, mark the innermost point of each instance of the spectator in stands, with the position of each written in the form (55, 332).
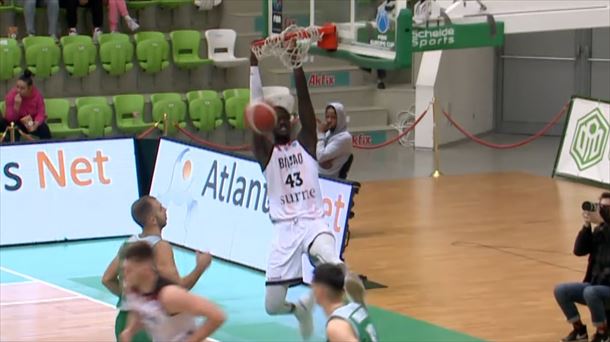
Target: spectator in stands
(334, 141)
(97, 15)
(592, 240)
(116, 7)
(29, 12)
(24, 106)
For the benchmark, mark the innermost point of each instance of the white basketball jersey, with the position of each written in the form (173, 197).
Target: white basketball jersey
(293, 183)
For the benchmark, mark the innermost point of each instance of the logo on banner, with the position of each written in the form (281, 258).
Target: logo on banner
(590, 140)
(179, 190)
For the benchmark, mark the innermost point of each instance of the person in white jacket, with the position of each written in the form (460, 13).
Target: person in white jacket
(334, 141)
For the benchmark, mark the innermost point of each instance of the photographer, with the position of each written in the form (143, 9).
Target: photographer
(592, 240)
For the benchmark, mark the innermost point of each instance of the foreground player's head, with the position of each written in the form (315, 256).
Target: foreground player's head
(148, 212)
(138, 264)
(283, 104)
(328, 282)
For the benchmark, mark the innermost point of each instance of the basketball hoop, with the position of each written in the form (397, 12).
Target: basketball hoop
(293, 44)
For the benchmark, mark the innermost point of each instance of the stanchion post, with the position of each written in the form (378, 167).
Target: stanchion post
(436, 112)
(165, 128)
(12, 132)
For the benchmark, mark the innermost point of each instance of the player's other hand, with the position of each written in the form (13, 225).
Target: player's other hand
(204, 260)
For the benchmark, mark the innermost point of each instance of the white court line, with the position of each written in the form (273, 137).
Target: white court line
(41, 301)
(17, 283)
(76, 294)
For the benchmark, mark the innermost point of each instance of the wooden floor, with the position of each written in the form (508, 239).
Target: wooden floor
(35, 311)
(477, 253)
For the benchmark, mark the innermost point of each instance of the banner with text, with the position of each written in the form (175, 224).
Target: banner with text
(67, 190)
(584, 152)
(218, 203)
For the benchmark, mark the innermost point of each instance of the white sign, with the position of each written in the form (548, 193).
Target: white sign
(218, 203)
(585, 146)
(67, 190)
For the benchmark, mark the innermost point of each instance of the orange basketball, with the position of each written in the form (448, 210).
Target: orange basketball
(261, 117)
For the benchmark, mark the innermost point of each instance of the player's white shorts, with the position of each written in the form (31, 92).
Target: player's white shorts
(292, 239)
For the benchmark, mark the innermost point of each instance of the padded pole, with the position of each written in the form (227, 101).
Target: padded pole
(436, 112)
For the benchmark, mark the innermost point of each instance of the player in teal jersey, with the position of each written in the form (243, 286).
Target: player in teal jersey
(347, 322)
(150, 214)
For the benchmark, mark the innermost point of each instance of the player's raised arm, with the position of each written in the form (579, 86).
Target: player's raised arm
(307, 116)
(261, 146)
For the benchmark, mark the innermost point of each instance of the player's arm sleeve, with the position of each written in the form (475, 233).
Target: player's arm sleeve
(110, 279)
(261, 146)
(307, 116)
(176, 300)
(338, 330)
(340, 146)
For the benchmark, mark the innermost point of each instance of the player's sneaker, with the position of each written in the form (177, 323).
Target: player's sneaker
(577, 335)
(600, 337)
(304, 313)
(354, 288)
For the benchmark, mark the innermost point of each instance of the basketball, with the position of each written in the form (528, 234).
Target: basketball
(261, 117)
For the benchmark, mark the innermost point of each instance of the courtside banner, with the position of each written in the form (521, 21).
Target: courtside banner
(52, 191)
(217, 202)
(584, 152)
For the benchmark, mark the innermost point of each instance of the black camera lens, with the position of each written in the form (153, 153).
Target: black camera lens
(589, 206)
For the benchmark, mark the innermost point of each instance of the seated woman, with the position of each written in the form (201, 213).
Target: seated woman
(25, 107)
(334, 141)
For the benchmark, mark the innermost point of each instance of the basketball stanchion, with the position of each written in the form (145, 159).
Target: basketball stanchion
(436, 108)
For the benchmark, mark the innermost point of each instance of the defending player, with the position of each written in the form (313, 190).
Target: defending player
(295, 201)
(165, 310)
(347, 322)
(149, 214)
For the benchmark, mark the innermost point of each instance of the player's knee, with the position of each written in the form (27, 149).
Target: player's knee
(274, 306)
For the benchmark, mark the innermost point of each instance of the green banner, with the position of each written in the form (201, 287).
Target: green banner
(459, 36)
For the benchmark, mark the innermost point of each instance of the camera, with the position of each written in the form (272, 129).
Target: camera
(590, 206)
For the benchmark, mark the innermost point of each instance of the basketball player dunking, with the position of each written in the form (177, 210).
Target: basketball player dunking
(295, 202)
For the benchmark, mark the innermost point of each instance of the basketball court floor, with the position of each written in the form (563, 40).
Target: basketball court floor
(473, 255)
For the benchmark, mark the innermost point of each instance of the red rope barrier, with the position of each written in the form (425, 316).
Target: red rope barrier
(147, 131)
(537, 135)
(395, 139)
(211, 144)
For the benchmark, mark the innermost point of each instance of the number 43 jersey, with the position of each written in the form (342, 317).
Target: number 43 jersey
(293, 183)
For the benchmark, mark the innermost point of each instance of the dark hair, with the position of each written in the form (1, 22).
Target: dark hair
(330, 275)
(141, 209)
(605, 195)
(137, 251)
(27, 77)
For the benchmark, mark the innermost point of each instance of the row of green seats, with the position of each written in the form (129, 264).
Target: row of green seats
(116, 50)
(94, 113)
(10, 5)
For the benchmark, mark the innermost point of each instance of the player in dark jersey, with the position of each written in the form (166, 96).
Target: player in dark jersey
(166, 311)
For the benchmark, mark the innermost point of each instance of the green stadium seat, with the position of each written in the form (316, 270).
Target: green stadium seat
(42, 56)
(152, 51)
(140, 4)
(79, 55)
(165, 96)
(116, 53)
(124, 107)
(10, 59)
(202, 94)
(185, 49)
(1, 108)
(206, 114)
(94, 116)
(240, 92)
(235, 107)
(58, 111)
(173, 3)
(176, 113)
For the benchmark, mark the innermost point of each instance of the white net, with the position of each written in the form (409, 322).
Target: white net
(291, 46)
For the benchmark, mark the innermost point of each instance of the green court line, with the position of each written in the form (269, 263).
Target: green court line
(78, 266)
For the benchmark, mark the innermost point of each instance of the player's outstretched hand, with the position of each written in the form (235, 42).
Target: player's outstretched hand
(204, 260)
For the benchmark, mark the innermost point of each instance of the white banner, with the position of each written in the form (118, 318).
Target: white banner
(585, 146)
(53, 191)
(218, 203)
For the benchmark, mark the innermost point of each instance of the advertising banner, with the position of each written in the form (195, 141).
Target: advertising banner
(218, 203)
(584, 152)
(52, 191)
